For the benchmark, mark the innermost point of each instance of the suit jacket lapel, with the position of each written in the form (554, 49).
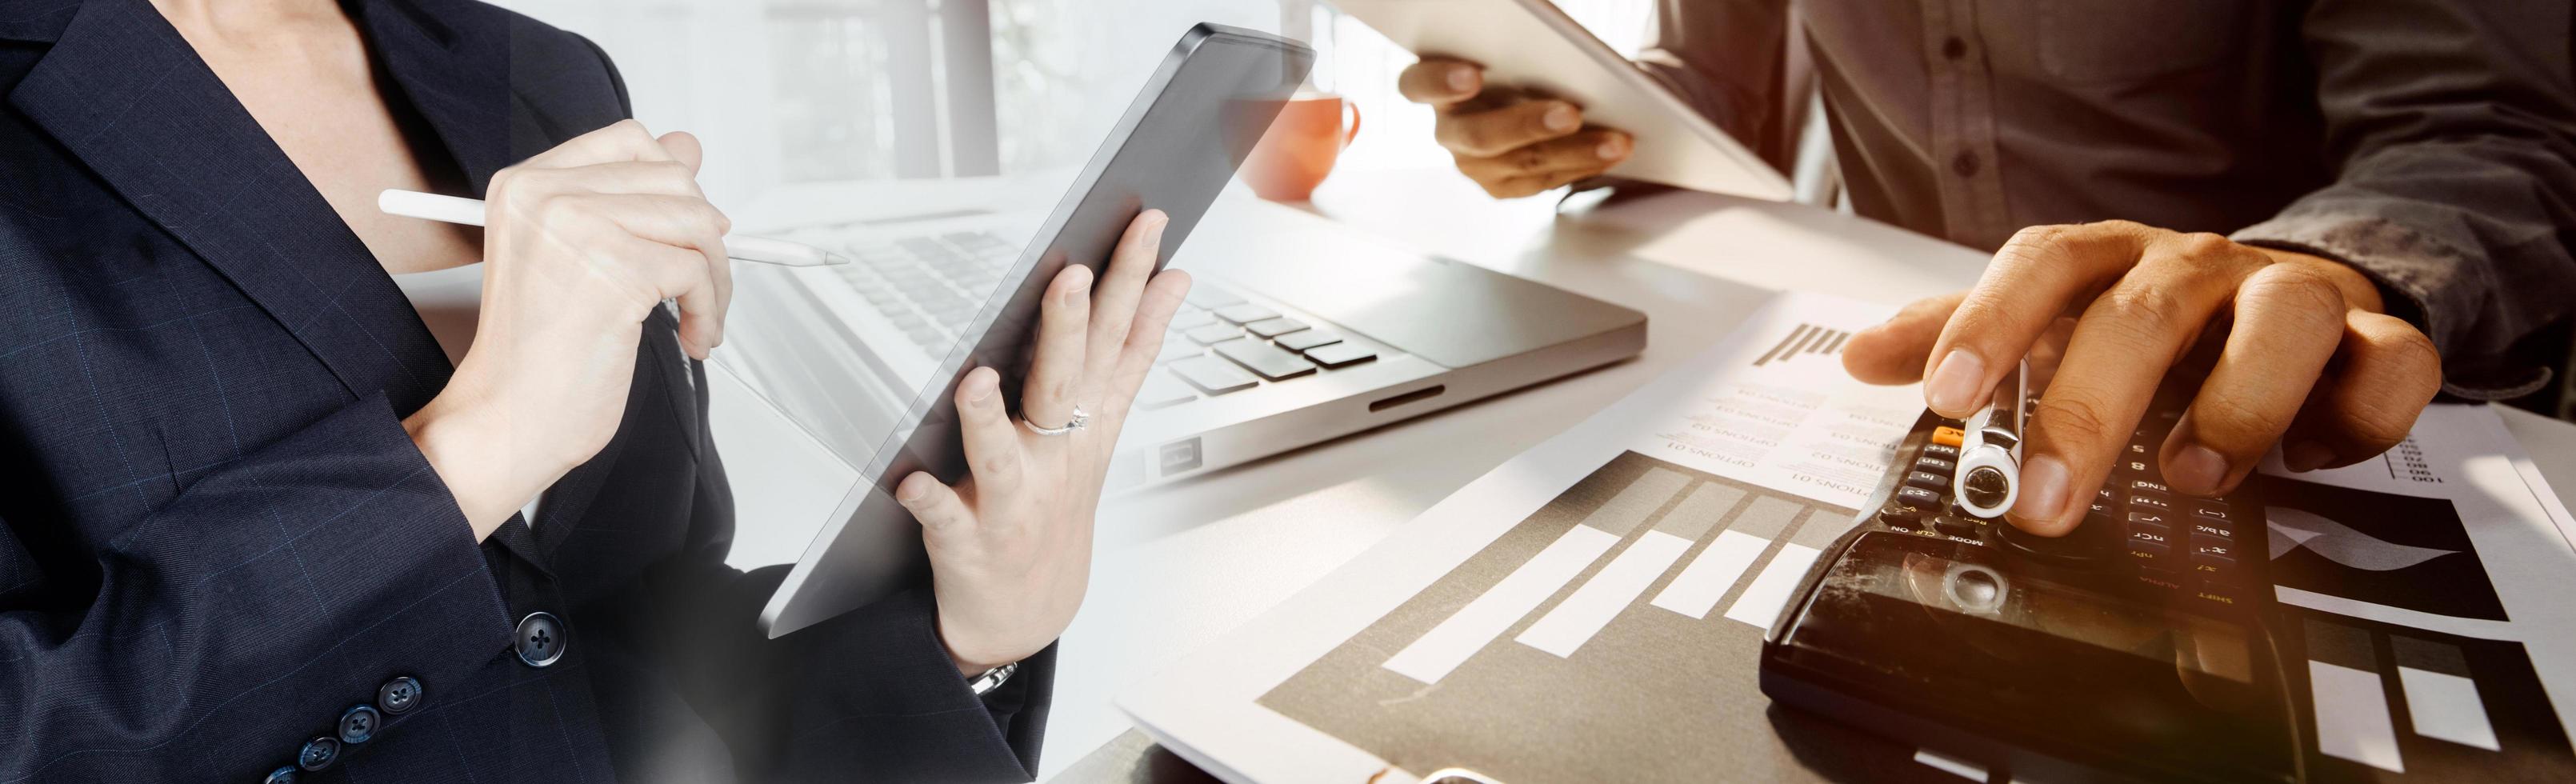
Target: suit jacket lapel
(459, 83)
(121, 90)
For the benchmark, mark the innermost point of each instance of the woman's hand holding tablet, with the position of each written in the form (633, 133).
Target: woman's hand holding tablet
(1010, 545)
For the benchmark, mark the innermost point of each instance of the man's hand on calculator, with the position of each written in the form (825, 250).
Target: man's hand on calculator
(2310, 358)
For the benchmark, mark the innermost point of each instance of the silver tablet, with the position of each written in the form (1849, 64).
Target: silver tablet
(1174, 149)
(1529, 44)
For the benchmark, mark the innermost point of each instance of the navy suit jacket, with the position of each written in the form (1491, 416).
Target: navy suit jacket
(216, 538)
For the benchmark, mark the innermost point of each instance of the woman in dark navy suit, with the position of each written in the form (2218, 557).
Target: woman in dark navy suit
(258, 527)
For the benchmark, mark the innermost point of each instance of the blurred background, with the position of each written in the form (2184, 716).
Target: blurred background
(788, 92)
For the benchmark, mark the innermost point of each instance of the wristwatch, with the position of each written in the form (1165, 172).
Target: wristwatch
(992, 679)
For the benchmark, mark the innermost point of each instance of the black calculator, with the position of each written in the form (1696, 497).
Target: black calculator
(2143, 646)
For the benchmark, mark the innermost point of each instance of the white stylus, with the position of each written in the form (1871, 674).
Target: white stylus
(451, 209)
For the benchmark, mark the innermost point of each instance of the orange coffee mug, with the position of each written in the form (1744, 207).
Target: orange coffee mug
(1298, 151)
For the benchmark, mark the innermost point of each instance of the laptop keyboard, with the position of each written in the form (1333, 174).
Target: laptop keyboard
(928, 286)
(1219, 343)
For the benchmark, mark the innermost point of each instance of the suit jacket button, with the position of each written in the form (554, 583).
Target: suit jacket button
(358, 723)
(318, 753)
(398, 696)
(284, 775)
(541, 639)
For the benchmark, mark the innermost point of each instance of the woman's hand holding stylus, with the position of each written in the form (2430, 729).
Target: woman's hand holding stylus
(580, 244)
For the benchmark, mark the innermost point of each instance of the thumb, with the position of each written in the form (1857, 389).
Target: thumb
(1894, 352)
(684, 148)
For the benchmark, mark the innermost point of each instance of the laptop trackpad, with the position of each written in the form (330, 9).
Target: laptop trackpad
(1450, 312)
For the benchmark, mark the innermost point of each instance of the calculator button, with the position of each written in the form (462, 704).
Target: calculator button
(1898, 512)
(2209, 511)
(2212, 554)
(1927, 480)
(2157, 519)
(1955, 525)
(2149, 485)
(1935, 465)
(2206, 527)
(2150, 548)
(1943, 451)
(2150, 501)
(1919, 497)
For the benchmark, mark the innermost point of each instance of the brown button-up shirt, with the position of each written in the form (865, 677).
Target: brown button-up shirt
(2430, 143)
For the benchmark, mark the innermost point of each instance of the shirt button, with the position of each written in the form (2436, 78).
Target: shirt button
(284, 775)
(358, 723)
(1965, 165)
(1952, 48)
(398, 696)
(541, 639)
(318, 753)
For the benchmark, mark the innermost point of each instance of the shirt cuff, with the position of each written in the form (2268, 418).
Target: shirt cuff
(2421, 280)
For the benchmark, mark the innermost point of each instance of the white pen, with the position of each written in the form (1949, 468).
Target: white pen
(1988, 476)
(451, 209)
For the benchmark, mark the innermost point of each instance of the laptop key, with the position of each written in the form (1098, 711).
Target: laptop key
(1306, 339)
(1193, 319)
(1162, 391)
(1215, 333)
(1270, 361)
(1246, 313)
(1212, 375)
(1211, 297)
(1271, 328)
(1178, 347)
(1339, 354)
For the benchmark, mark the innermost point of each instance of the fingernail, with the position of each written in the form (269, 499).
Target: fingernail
(1613, 149)
(909, 492)
(1462, 79)
(1081, 285)
(1954, 383)
(2196, 470)
(1562, 118)
(982, 387)
(2306, 456)
(2043, 490)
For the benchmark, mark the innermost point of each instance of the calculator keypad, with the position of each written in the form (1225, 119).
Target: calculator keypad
(2168, 542)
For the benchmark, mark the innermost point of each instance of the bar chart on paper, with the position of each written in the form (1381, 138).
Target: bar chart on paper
(1645, 584)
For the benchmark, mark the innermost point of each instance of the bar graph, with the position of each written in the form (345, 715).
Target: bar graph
(2399, 700)
(1803, 340)
(1619, 611)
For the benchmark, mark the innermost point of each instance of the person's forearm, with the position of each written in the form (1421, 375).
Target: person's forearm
(2454, 131)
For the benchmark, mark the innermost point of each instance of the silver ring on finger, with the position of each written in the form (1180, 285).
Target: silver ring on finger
(1078, 421)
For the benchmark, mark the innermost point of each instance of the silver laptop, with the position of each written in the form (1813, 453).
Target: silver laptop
(1298, 331)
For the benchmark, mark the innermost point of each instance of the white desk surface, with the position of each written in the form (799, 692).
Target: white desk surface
(1178, 565)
